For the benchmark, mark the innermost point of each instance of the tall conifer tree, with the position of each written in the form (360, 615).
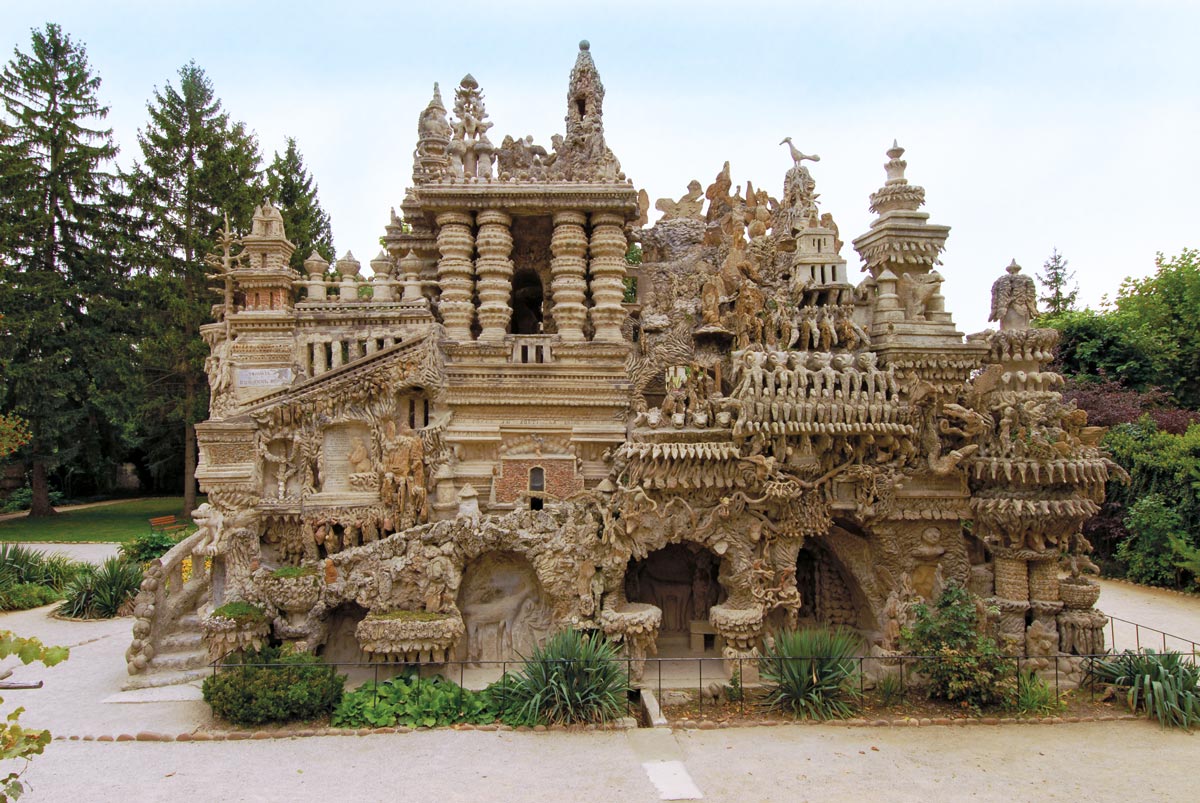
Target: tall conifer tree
(1061, 290)
(291, 188)
(197, 166)
(59, 254)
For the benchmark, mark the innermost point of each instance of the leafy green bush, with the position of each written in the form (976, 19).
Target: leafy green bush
(1163, 685)
(101, 592)
(414, 702)
(571, 678)
(812, 672)
(1035, 696)
(963, 663)
(22, 596)
(297, 686)
(22, 498)
(148, 546)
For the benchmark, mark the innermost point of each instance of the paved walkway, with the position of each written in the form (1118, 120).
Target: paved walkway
(1102, 761)
(794, 762)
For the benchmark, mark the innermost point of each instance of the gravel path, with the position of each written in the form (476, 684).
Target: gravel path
(1119, 761)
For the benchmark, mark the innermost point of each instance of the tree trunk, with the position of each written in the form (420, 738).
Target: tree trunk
(189, 469)
(189, 448)
(40, 505)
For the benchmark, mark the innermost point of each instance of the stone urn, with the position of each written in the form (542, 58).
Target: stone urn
(234, 627)
(409, 636)
(636, 625)
(1078, 593)
(740, 627)
(291, 589)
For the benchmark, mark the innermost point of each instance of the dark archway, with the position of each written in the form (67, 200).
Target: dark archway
(681, 580)
(829, 596)
(527, 297)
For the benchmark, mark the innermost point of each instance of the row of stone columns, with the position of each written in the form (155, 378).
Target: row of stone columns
(493, 270)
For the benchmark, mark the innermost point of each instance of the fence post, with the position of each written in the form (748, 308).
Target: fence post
(741, 688)
(700, 682)
(1056, 692)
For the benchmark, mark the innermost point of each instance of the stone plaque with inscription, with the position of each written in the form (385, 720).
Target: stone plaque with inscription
(264, 377)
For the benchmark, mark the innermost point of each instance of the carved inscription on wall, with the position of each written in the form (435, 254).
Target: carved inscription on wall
(341, 442)
(264, 377)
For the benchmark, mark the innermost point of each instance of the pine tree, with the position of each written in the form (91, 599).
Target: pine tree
(197, 165)
(60, 257)
(291, 189)
(1061, 291)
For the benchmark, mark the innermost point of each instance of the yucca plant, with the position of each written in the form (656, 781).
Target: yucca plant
(101, 592)
(572, 678)
(1166, 685)
(812, 673)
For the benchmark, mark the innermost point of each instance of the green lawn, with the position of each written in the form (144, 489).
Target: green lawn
(118, 522)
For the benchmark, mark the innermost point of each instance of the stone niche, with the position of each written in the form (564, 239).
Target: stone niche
(679, 579)
(346, 460)
(504, 608)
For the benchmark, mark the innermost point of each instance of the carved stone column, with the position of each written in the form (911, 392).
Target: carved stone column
(494, 269)
(568, 246)
(608, 248)
(455, 273)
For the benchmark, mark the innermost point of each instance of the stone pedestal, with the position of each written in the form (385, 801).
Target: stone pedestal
(567, 284)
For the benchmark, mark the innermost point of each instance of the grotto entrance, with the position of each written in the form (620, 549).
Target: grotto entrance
(829, 594)
(503, 607)
(681, 580)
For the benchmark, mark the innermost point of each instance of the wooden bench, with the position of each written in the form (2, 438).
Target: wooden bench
(166, 524)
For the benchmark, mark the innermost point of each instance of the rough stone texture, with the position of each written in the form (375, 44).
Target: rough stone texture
(724, 440)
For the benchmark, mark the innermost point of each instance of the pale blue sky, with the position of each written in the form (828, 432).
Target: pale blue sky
(1031, 125)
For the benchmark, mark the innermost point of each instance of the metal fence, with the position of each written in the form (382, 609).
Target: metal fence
(1069, 671)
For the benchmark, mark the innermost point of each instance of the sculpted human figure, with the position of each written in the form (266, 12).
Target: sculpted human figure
(360, 457)
(404, 474)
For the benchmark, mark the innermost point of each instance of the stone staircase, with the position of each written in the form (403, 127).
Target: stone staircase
(167, 648)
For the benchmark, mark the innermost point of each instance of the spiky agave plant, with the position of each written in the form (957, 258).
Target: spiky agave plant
(812, 673)
(1165, 685)
(572, 678)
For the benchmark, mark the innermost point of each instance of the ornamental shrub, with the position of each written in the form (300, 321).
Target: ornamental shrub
(812, 673)
(273, 685)
(148, 546)
(102, 592)
(1166, 686)
(572, 678)
(962, 662)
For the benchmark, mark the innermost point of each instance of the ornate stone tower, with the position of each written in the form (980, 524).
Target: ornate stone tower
(265, 278)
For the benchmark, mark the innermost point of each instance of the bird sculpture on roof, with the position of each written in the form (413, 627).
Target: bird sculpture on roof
(797, 156)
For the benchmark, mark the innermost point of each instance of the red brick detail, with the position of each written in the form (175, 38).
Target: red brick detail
(561, 478)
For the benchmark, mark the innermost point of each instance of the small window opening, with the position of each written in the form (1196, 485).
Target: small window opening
(537, 487)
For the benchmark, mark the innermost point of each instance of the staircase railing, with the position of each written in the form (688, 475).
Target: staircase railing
(171, 588)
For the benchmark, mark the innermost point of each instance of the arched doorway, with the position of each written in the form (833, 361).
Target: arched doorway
(681, 580)
(503, 607)
(829, 595)
(527, 297)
